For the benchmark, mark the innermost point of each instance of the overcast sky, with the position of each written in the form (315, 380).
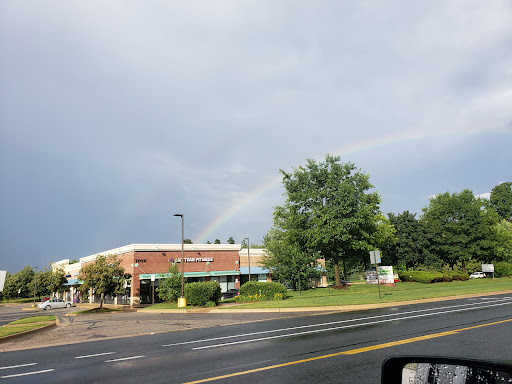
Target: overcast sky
(116, 115)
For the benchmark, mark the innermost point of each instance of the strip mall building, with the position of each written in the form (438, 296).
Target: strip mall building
(227, 264)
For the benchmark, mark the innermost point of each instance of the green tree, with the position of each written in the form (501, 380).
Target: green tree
(187, 241)
(329, 211)
(104, 275)
(408, 251)
(169, 288)
(217, 241)
(48, 282)
(460, 228)
(287, 261)
(10, 286)
(231, 240)
(504, 243)
(501, 200)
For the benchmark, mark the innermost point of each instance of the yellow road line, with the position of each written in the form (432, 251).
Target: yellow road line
(351, 352)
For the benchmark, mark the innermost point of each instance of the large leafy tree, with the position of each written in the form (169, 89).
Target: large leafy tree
(460, 228)
(169, 288)
(501, 200)
(329, 211)
(104, 275)
(287, 261)
(504, 244)
(408, 250)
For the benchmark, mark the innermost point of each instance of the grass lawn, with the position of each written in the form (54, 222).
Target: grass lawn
(369, 294)
(26, 324)
(33, 319)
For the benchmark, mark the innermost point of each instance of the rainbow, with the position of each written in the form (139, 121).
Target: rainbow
(343, 151)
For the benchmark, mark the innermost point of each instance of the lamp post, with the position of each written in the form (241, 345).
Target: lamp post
(182, 302)
(35, 286)
(248, 257)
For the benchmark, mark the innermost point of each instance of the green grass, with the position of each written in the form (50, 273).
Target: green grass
(6, 331)
(33, 319)
(25, 324)
(369, 294)
(163, 306)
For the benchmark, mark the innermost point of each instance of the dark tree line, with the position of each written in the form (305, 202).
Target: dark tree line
(454, 230)
(24, 283)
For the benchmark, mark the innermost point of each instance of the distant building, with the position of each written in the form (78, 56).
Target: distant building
(227, 264)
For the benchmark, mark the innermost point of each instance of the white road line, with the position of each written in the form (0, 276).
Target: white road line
(474, 305)
(96, 354)
(124, 358)
(18, 366)
(26, 373)
(338, 328)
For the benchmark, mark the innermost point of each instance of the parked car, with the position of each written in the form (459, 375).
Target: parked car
(230, 293)
(55, 303)
(477, 275)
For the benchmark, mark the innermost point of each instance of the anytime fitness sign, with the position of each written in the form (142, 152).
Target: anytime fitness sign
(191, 259)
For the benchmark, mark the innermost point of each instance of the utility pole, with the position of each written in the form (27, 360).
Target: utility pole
(182, 302)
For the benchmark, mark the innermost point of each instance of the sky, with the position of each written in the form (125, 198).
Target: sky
(114, 116)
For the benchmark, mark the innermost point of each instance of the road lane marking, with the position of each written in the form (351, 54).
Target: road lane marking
(336, 328)
(18, 366)
(124, 358)
(94, 355)
(26, 373)
(350, 352)
(473, 306)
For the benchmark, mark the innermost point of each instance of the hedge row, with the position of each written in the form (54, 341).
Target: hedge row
(426, 277)
(503, 269)
(257, 291)
(203, 294)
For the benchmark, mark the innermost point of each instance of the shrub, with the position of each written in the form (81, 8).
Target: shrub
(424, 277)
(502, 269)
(201, 293)
(259, 291)
(428, 277)
(455, 275)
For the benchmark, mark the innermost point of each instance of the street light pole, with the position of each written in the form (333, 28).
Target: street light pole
(35, 286)
(182, 302)
(248, 258)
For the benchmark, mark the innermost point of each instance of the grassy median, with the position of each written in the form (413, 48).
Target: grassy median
(26, 324)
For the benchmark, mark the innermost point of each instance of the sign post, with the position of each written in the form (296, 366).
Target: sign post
(375, 259)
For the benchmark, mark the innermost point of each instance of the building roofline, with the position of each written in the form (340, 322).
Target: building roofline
(155, 248)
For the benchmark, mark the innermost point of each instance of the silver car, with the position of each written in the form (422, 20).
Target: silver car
(55, 303)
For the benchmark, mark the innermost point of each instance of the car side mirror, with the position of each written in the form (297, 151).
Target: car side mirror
(443, 370)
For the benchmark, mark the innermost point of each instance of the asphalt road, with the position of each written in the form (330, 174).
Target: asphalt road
(339, 347)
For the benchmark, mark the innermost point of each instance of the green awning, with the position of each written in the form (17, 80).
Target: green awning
(147, 276)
